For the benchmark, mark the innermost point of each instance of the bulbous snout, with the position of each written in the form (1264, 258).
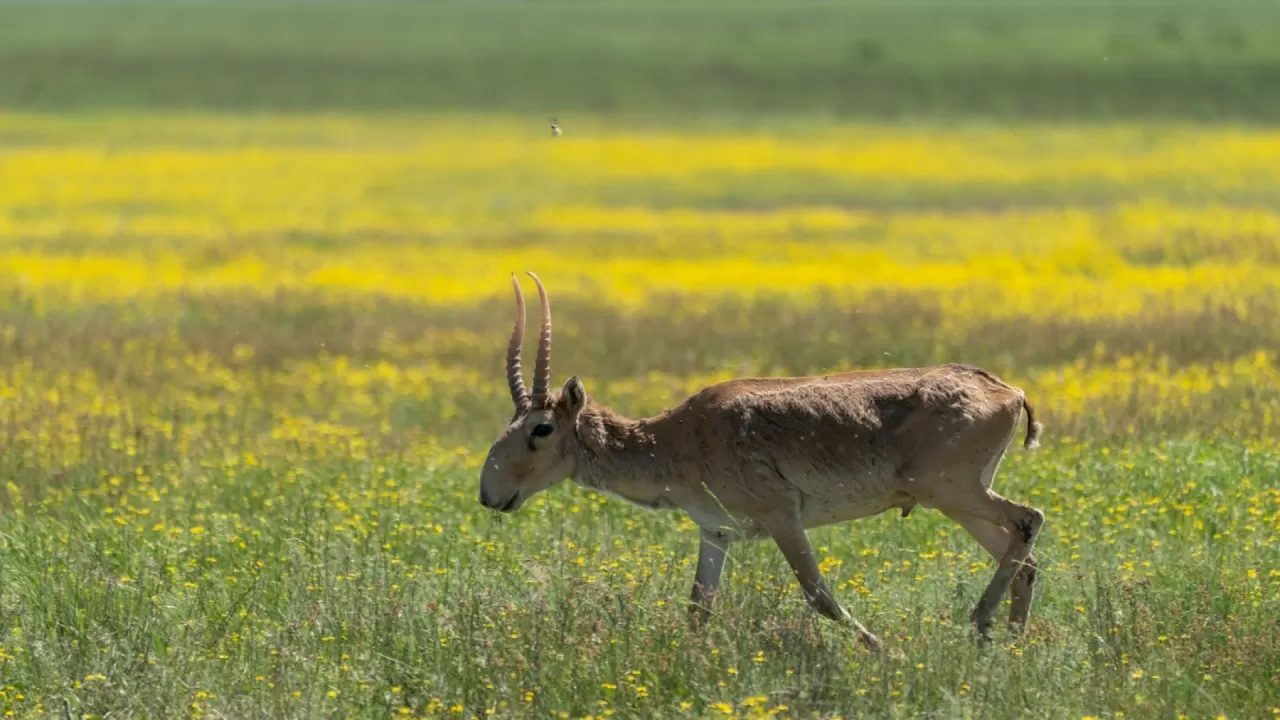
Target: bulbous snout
(497, 492)
(501, 504)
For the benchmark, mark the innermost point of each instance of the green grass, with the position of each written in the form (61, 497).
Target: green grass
(1034, 58)
(342, 587)
(180, 559)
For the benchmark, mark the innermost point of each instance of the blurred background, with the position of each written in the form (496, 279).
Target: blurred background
(1046, 59)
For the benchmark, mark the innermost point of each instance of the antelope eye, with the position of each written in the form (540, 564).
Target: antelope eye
(543, 429)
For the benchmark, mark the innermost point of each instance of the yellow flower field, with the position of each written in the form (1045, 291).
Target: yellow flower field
(249, 367)
(437, 213)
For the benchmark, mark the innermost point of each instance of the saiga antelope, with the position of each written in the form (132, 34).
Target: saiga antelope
(772, 457)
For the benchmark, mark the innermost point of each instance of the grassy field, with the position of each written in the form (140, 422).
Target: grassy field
(250, 367)
(254, 302)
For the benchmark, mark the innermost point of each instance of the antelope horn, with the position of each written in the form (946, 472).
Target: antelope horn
(515, 378)
(542, 365)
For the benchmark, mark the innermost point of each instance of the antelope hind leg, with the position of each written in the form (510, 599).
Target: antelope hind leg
(1021, 524)
(996, 541)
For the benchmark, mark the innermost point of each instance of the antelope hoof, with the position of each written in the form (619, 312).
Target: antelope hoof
(697, 616)
(982, 626)
(871, 641)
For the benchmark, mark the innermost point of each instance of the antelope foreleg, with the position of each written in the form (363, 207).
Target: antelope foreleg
(791, 539)
(712, 551)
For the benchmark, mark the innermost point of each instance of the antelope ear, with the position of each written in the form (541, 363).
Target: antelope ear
(573, 398)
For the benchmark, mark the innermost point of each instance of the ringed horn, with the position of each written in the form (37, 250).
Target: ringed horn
(542, 363)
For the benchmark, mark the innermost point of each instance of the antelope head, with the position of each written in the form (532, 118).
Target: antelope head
(538, 447)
